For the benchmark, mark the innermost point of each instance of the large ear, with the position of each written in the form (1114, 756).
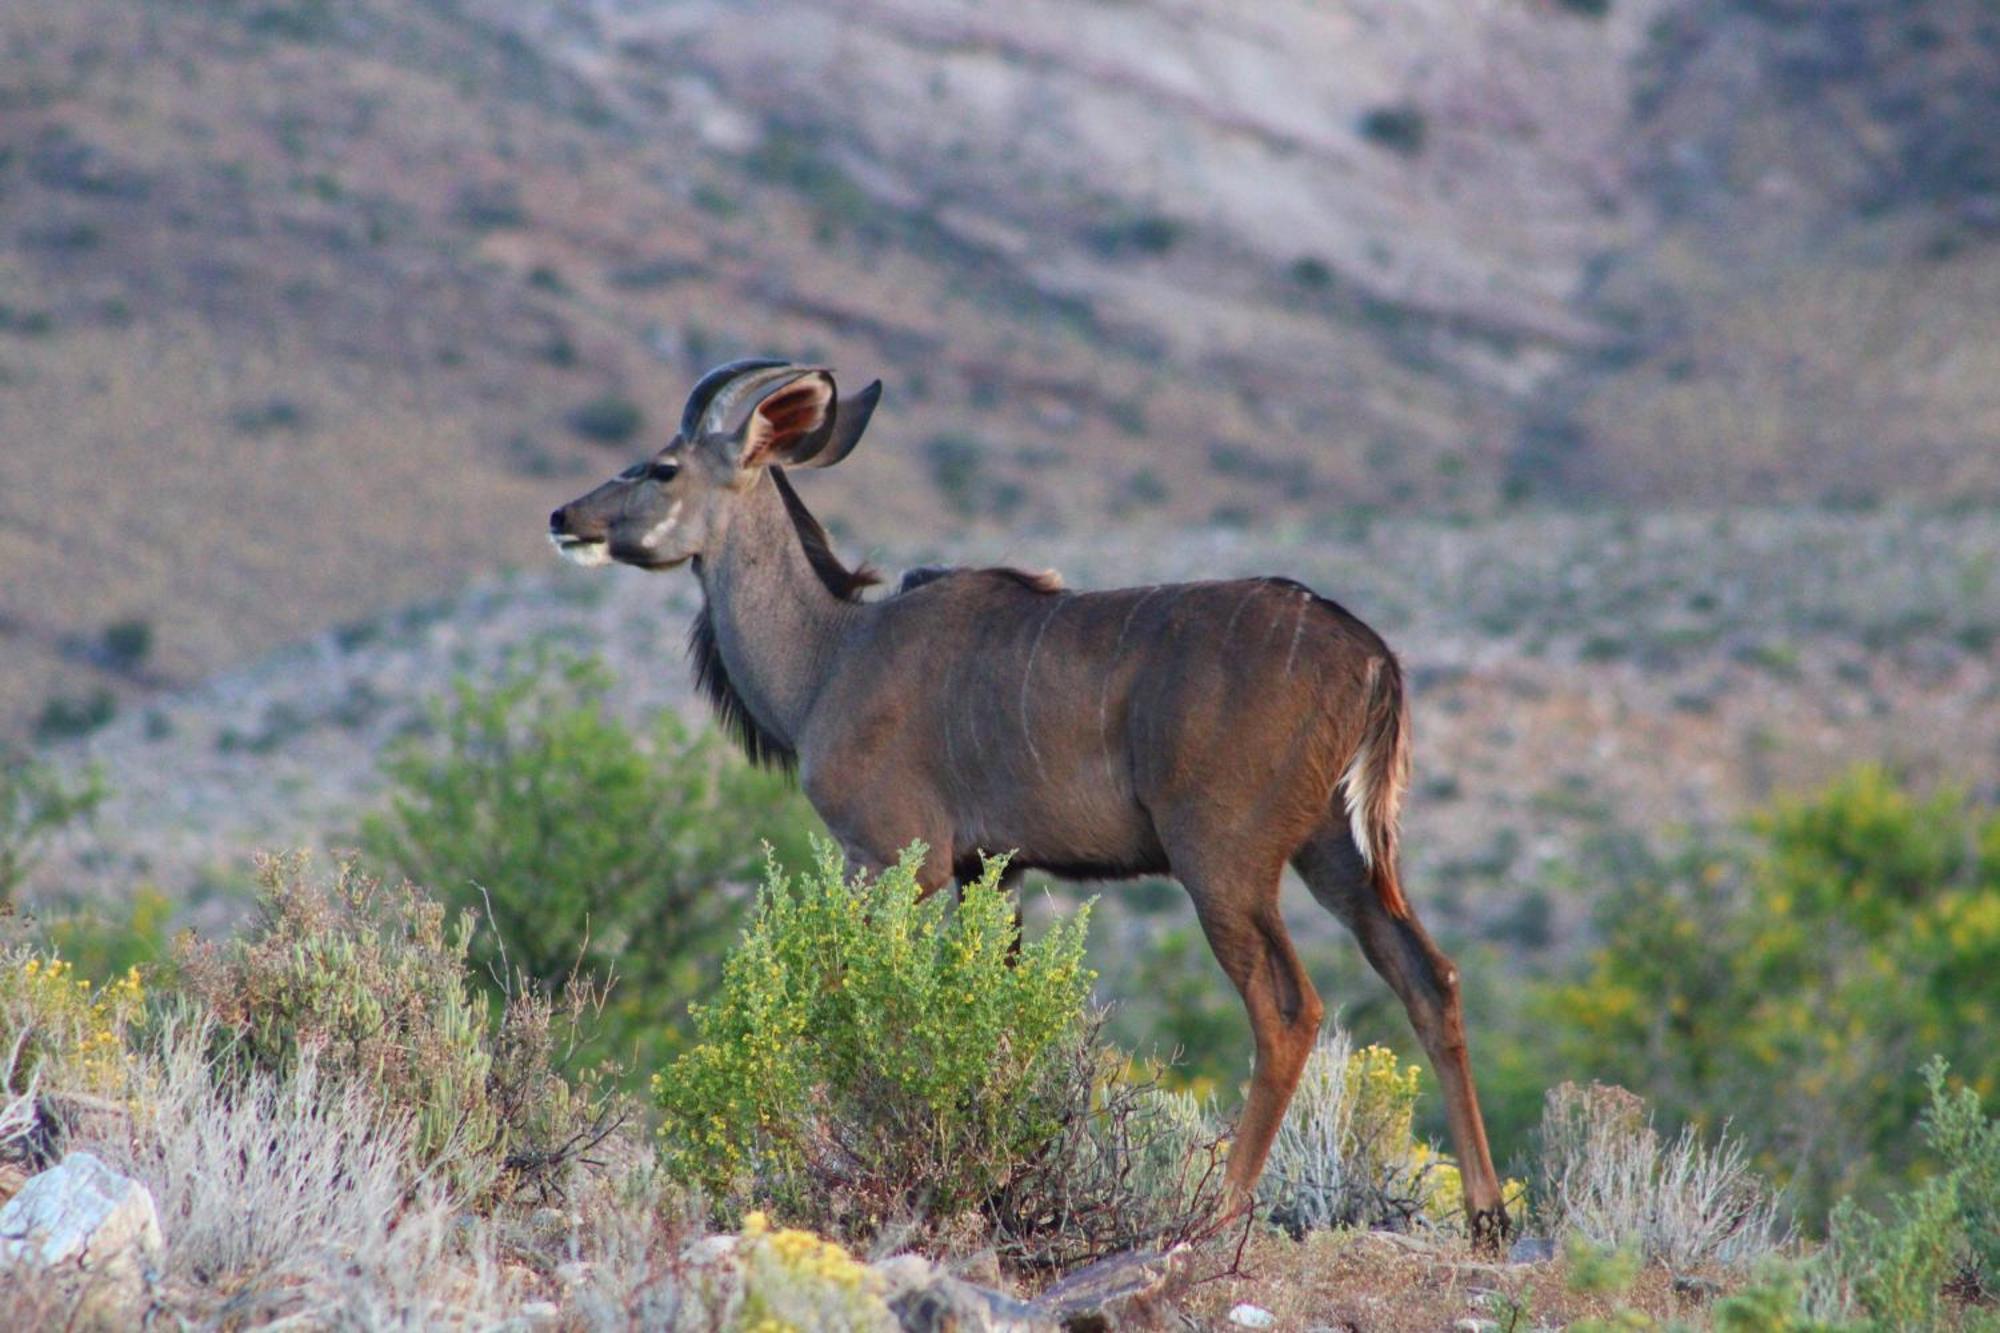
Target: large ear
(796, 413)
(836, 439)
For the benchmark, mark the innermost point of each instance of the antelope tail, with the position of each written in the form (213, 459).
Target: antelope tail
(1376, 775)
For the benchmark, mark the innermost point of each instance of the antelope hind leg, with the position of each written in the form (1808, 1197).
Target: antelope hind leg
(1239, 915)
(1426, 981)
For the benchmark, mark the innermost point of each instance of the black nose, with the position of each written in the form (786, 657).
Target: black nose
(556, 523)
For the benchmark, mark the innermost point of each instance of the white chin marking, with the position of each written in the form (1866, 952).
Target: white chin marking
(658, 532)
(590, 555)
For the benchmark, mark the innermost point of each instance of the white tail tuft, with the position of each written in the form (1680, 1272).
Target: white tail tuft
(1354, 785)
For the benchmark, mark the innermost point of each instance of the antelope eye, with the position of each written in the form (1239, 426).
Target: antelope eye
(662, 471)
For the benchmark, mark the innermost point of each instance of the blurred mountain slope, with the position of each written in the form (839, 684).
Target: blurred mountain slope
(310, 308)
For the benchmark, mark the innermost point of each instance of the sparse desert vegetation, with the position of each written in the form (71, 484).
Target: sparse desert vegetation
(388, 941)
(418, 1128)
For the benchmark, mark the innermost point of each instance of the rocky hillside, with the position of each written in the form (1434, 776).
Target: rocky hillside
(312, 309)
(1578, 681)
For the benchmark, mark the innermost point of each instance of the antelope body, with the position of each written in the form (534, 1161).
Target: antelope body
(1211, 731)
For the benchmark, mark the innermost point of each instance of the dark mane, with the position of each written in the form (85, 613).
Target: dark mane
(712, 678)
(841, 581)
(1045, 581)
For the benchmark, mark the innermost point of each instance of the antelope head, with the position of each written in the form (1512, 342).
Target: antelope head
(741, 418)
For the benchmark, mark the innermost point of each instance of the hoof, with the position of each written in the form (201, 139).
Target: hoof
(1490, 1230)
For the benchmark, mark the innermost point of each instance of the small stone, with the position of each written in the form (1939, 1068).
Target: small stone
(710, 1249)
(1251, 1316)
(1531, 1250)
(81, 1216)
(540, 1311)
(1475, 1326)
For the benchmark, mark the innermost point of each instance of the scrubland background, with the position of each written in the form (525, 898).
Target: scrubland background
(1631, 364)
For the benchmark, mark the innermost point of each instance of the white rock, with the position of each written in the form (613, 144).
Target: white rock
(710, 1250)
(81, 1215)
(1252, 1316)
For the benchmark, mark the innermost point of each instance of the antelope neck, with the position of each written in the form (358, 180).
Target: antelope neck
(775, 622)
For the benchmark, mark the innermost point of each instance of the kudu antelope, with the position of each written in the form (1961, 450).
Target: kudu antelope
(1211, 731)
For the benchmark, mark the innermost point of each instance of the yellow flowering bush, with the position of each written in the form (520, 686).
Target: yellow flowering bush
(873, 1054)
(65, 1034)
(795, 1282)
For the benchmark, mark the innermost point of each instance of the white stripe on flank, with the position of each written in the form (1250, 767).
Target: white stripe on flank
(1355, 784)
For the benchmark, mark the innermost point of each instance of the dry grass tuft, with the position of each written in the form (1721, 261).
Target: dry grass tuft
(284, 1197)
(261, 1175)
(1609, 1178)
(1346, 1155)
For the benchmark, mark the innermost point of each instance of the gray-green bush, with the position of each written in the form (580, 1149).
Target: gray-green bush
(370, 987)
(1911, 1264)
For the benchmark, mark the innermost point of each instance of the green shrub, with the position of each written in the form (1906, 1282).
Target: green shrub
(594, 848)
(374, 982)
(1311, 272)
(609, 419)
(1892, 1269)
(36, 803)
(1142, 234)
(1400, 129)
(67, 716)
(489, 207)
(269, 416)
(798, 158)
(1784, 984)
(960, 468)
(1968, 1143)
(127, 643)
(1889, 1271)
(111, 943)
(1893, 1266)
(873, 1056)
(1600, 1270)
(1774, 1303)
